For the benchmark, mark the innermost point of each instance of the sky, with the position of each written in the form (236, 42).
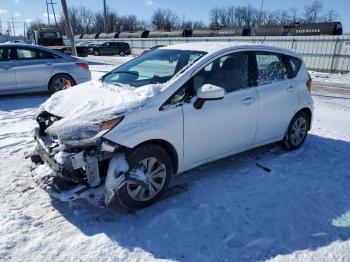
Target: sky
(27, 10)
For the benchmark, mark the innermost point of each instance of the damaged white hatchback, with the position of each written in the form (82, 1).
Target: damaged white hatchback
(168, 111)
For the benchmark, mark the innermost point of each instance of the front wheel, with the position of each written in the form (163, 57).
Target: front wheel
(297, 131)
(154, 164)
(96, 53)
(122, 53)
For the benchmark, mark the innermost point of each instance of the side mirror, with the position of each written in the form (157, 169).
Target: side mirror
(208, 92)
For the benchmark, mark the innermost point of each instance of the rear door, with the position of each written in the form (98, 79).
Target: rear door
(34, 67)
(278, 96)
(7, 70)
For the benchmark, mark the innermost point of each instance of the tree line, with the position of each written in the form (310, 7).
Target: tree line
(86, 21)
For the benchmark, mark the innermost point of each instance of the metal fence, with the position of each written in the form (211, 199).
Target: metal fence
(321, 53)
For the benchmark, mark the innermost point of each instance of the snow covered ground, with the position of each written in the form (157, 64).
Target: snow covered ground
(229, 210)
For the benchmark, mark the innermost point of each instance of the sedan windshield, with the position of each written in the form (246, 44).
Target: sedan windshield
(158, 66)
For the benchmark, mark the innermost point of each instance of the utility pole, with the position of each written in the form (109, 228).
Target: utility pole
(53, 11)
(105, 16)
(69, 26)
(48, 14)
(13, 26)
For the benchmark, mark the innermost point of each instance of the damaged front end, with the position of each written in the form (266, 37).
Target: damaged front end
(82, 164)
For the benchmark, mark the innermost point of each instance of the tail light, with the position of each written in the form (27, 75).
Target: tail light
(83, 65)
(309, 82)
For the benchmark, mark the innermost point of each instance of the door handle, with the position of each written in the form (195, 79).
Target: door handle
(248, 100)
(291, 88)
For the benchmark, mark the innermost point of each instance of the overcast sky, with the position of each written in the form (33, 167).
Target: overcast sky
(26, 10)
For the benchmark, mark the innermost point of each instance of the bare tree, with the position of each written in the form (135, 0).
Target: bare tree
(164, 19)
(312, 12)
(330, 15)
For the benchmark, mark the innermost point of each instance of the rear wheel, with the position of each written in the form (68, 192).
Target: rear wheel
(96, 53)
(59, 82)
(122, 53)
(152, 162)
(297, 131)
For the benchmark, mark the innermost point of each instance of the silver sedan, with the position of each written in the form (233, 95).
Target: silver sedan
(28, 69)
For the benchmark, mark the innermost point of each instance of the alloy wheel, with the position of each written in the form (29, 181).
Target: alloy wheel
(155, 173)
(298, 131)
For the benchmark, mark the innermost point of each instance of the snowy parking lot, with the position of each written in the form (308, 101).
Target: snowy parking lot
(265, 204)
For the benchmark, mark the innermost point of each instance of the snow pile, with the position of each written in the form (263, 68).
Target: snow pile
(232, 209)
(334, 78)
(85, 106)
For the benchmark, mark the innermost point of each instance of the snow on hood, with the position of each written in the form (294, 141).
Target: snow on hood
(84, 106)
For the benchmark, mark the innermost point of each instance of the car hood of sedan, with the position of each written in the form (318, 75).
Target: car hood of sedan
(84, 106)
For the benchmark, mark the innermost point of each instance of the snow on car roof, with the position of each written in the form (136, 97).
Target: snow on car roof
(211, 47)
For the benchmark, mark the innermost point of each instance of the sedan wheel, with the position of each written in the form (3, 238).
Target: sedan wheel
(59, 82)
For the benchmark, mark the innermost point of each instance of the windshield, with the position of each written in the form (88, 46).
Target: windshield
(155, 67)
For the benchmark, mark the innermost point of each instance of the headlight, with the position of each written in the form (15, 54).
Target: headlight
(110, 123)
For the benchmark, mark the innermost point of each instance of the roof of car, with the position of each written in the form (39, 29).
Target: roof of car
(211, 47)
(33, 46)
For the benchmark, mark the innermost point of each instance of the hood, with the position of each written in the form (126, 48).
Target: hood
(83, 107)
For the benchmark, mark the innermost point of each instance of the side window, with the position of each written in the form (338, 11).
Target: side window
(5, 54)
(26, 53)
(270, 68)
(229, 72)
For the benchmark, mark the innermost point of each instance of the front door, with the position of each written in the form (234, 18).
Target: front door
(33, 69)
(226, 125)
(7, 71)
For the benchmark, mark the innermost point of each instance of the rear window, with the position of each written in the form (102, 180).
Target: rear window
(27, 53)
(5, 54)
(50, 35)
(295, 64)
(270, 68)
(124, 45)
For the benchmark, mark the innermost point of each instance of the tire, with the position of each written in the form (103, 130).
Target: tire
(97, 53)
(297, 131)
(121, 53)
(58, 82)
(138, 159)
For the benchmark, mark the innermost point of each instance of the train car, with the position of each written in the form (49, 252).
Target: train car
(90, 36)
(270, 30)
(135, 34)
(222, 32)
(108, 35)
(172, 33)
(326, 28)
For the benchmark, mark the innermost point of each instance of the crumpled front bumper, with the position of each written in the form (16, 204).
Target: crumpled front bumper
(76, 166)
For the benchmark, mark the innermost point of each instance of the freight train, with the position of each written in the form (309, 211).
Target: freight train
(293, 29)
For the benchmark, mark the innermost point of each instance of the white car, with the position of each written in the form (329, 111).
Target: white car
(171, 110)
